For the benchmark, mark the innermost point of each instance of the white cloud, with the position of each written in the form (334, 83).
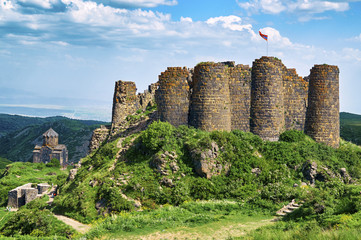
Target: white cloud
(275, 37)
(303, 9)
(186, 19)
(137, 3)
(231, 22)
(47, 4)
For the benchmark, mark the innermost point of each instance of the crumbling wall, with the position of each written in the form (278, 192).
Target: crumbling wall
(127, 102)
(267, 109)
(172, 96)
(240, 96)
(124, 101)
(322, 117)
(210, 107)
(98, 137)
(295, 100)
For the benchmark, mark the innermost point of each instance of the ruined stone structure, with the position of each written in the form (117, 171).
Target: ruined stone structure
(50, 149)
(98, 137)
(126, 101)
(266, 99)
(24, 194)
(173, 97)
(322, 118)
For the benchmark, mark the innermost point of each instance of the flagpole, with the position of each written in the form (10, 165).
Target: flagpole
(267, 47)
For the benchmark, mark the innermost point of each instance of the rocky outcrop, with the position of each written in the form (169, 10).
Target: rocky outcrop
(312, 172)
(206, 163)
(165, 163)
(345, 176)
(72, 174)
(98, 137)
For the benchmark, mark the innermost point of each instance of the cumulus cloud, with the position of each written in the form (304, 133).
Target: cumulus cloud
(136, 3)
(233, 23)
(304, 9)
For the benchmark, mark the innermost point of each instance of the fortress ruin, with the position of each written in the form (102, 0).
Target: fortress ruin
(266, 99)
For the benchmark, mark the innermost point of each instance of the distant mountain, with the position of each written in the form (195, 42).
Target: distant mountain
(350, 127)
(19, 135)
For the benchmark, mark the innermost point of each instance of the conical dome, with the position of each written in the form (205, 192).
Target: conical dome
(50, 138)
(50, 133)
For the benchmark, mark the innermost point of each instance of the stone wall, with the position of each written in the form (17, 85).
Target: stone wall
(124, 101)
(267, 104)
(16, 197)
(266, 100)
(240, 96)
(172, 96)
(322, 118)
(210, 107)
(98, 137)
(127, 102)
(24, 194)
(295, 100)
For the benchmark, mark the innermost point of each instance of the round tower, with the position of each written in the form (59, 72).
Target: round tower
(267, 110)
(322, 117)
(210, 100)
(240, 92)
(124, 101)
(172, 96)
(50, 138)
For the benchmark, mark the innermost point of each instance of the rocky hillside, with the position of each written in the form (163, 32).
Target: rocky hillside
(168, 165)
(21, 134)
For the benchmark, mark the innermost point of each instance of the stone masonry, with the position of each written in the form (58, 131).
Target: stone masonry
(266, 99)
(127, 102)
(210, 107)
(24, 194)
(267, 103)
(173, 96)
(322, 118)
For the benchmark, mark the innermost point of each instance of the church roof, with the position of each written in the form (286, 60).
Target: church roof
(50, 133)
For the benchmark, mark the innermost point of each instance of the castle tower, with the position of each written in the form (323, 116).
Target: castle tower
(267, 108)
(210, 100)
(295, 100)
(50, 138)
(172, 96)
(124, 101)
(322, 117)
(240, 96)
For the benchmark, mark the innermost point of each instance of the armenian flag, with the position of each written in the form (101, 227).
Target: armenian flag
(265, 37)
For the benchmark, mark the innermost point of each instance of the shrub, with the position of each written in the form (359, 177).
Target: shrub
(158, 135)
(53, 163)
(292, 136)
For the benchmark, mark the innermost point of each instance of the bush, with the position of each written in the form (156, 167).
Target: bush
(157, 135)
(53, 163)
(292, 136)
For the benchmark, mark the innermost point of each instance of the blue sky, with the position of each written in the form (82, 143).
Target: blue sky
(65, 55)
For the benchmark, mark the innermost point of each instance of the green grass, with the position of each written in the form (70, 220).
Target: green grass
(20, 173)
(4, 162)
(204, 218)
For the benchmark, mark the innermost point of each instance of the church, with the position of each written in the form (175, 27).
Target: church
(50, 149)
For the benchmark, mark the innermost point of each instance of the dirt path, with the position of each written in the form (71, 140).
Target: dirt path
(225, 232)
(80, 227)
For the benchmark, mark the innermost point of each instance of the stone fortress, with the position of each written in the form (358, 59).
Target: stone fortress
(266, 99)
(50, 149)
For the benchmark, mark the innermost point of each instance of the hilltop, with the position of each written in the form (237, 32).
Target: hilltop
(20, 135)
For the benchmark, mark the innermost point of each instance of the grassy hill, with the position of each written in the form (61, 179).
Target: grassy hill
(20, 134)
(177, 183)
(350, 127)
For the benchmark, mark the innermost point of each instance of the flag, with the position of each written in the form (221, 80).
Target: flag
(265, 37)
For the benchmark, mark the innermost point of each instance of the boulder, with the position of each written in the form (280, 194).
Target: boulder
(206, 164)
